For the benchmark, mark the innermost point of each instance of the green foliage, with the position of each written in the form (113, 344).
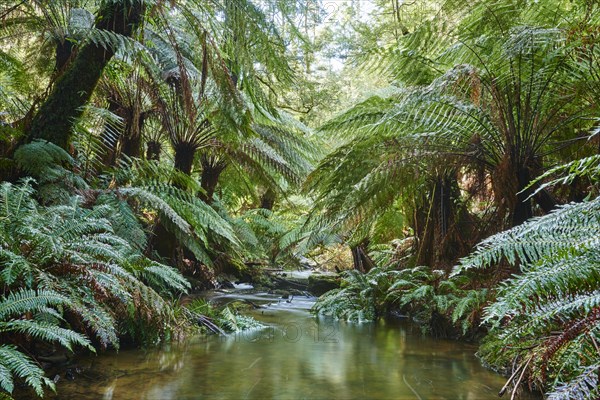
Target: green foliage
(225, 320)
(360, 298)
(588, 167)
(424, 294)
(571, 230)
(173, 196)
(545, 321)
(74, 259)
(42, 324)
(232, 321)
(14, 362)
(52, 167)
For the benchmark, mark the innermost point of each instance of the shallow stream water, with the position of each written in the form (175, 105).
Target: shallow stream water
(295, 357)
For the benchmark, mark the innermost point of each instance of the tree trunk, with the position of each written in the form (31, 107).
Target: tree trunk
(442, 225)
(522, 211)
(267, 200)
(360, 259)
(132, 138)
(153, 150)
(73, 90)
(64, 52)
(211, 171)
(184, 157)
(545, 200)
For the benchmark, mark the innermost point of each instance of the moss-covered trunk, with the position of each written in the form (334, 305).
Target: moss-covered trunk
(132, 138)
(72, 91)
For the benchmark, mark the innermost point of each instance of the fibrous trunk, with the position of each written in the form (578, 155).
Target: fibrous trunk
(153, 150)
(132, 138)
(72, 91)
(443, 225)
(211, 171)
(360, 259)
(184, 157)
(267, 200)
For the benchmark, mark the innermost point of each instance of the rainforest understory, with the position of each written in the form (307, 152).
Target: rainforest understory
(437, 161)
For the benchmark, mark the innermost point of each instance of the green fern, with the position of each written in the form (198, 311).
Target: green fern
(13, 362)
(546, 321)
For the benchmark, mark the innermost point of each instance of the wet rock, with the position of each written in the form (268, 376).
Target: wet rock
(284, 294)
(320, 284)
(70, 374)
(225, 284)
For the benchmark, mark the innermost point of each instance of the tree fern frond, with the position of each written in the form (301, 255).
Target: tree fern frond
(571, 228)
(584, 386)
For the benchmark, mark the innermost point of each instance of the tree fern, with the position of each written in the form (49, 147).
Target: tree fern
(585, 386)
(74, 251)
(552, 308)
(571, 229)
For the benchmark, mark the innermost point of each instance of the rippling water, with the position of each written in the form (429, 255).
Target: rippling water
(295, 357)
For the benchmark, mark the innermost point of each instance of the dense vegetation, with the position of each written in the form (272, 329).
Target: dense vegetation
(447, 157)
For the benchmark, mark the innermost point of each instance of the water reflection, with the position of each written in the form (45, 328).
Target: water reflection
(295, 357)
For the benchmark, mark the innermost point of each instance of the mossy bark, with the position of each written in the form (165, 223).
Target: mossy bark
(132, 138)
(65, 51)
(72, 91)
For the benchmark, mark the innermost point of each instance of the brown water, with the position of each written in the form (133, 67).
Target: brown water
(295, 357)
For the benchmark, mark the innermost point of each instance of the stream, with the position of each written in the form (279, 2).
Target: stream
(296, 356)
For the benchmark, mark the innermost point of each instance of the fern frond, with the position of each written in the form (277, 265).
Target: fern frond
(13, 362)
(28, 300)
(570, 228)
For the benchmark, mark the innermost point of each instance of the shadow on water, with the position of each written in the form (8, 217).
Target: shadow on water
(295, 357)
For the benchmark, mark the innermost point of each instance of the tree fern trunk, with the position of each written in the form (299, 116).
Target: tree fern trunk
(267, 200)
(184, 157)
(132, 139)
(211, 172)
(153, 150)
(65, 50)
(522, 211)
(442, 225)
(73, 90)
(360, 259)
